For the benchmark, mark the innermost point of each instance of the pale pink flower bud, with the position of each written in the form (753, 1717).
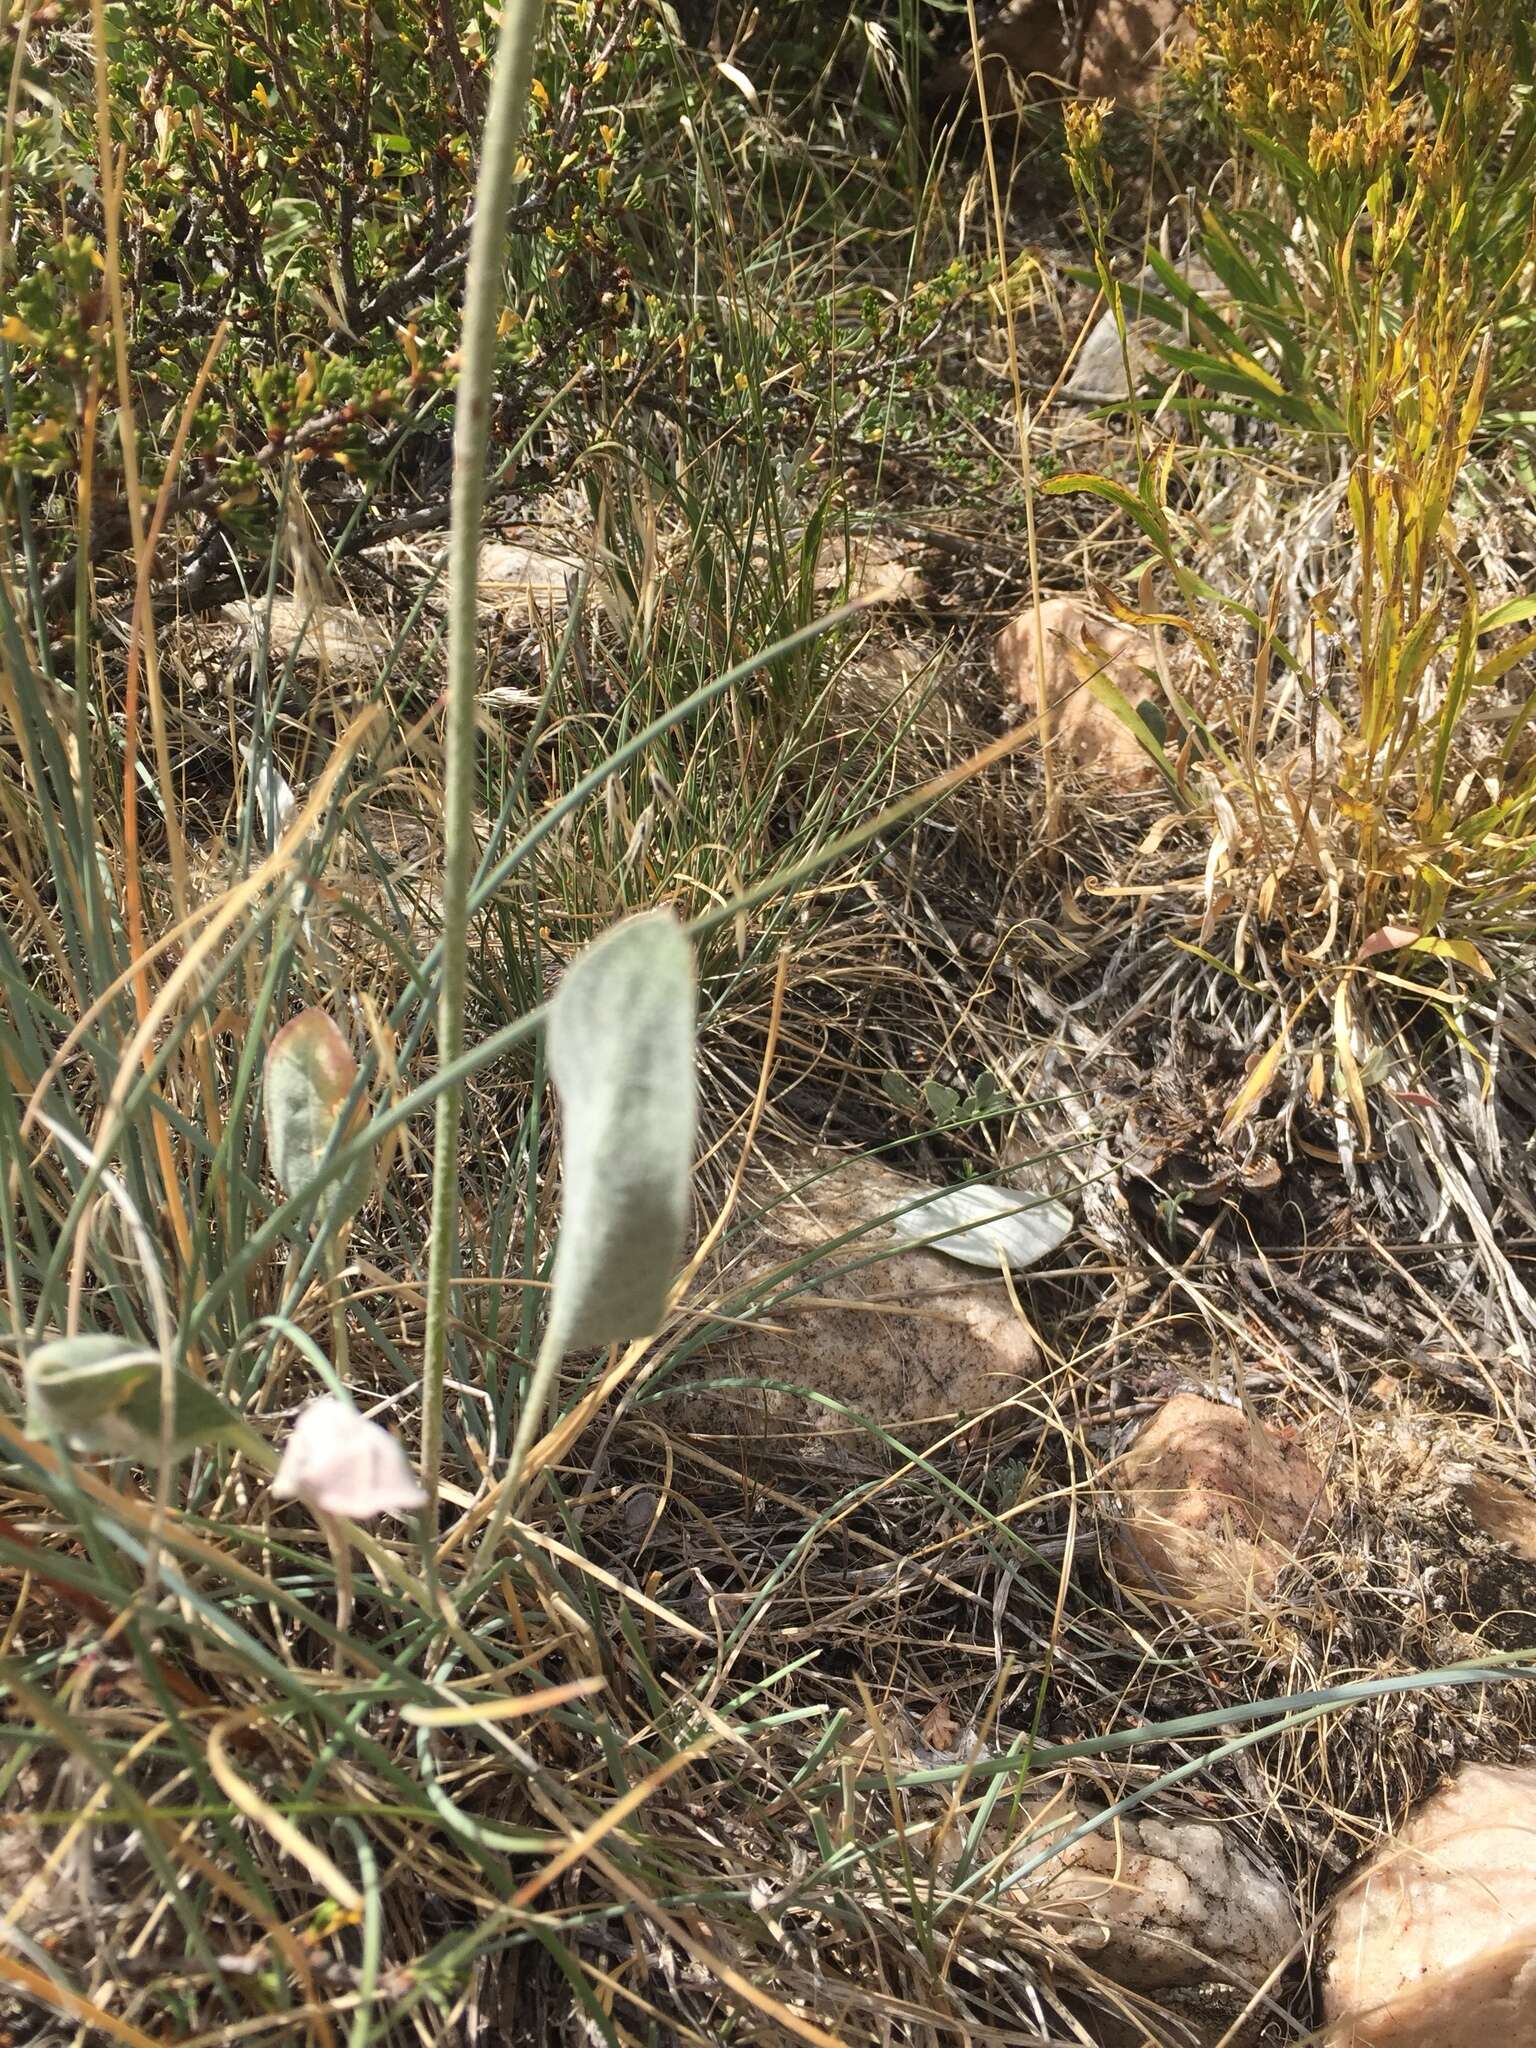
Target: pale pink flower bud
(339, 1463)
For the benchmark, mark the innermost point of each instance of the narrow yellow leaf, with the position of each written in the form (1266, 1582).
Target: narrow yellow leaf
(473, 1712)
(1346, 1065)
(1255, 1087)
(1461, 950)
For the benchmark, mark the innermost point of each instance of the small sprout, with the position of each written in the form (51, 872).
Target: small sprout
(339, 1463)
(310, 1074)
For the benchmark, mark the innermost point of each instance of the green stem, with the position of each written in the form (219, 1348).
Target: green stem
(336, 1301)
(510, 81)
(538, 1406)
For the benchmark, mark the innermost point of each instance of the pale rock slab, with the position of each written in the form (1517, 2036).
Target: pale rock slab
(867, 572)
(1433, 1940)
(1163, 1903)
(344, 642)
(906, 1337)
(523, 583)
(1098, 375)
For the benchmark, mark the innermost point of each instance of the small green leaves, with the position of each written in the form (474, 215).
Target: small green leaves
(310, 1074)
(621, 1053)
(98, 1392)
(937, 1104)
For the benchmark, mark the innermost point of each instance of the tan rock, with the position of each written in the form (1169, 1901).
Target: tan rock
(1125, 45)
(1212, 1508)
(345, 642)
(1433, 1941)
(872, 571)
(1024, 55)
(525, 572)
(1025, 52)
(907, 1338)
(521, 582)
(1498, 1509)
(1156, 1904)
(1084, 732)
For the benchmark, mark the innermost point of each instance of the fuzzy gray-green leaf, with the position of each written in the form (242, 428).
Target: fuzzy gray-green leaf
(622, 1056)
(310, 1073)
(73, 1383)
(100, 1392)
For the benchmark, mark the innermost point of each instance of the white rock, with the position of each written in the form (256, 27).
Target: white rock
(1098, 374)
(344, 641)
(1157, 1903)
(523, 582)
(987, 1226)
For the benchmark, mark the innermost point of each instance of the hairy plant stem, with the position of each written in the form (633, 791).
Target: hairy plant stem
(510, 80)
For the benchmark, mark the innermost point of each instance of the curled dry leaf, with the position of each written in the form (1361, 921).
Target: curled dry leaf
(1390, 939)
(740, 80)
(339, 1463)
